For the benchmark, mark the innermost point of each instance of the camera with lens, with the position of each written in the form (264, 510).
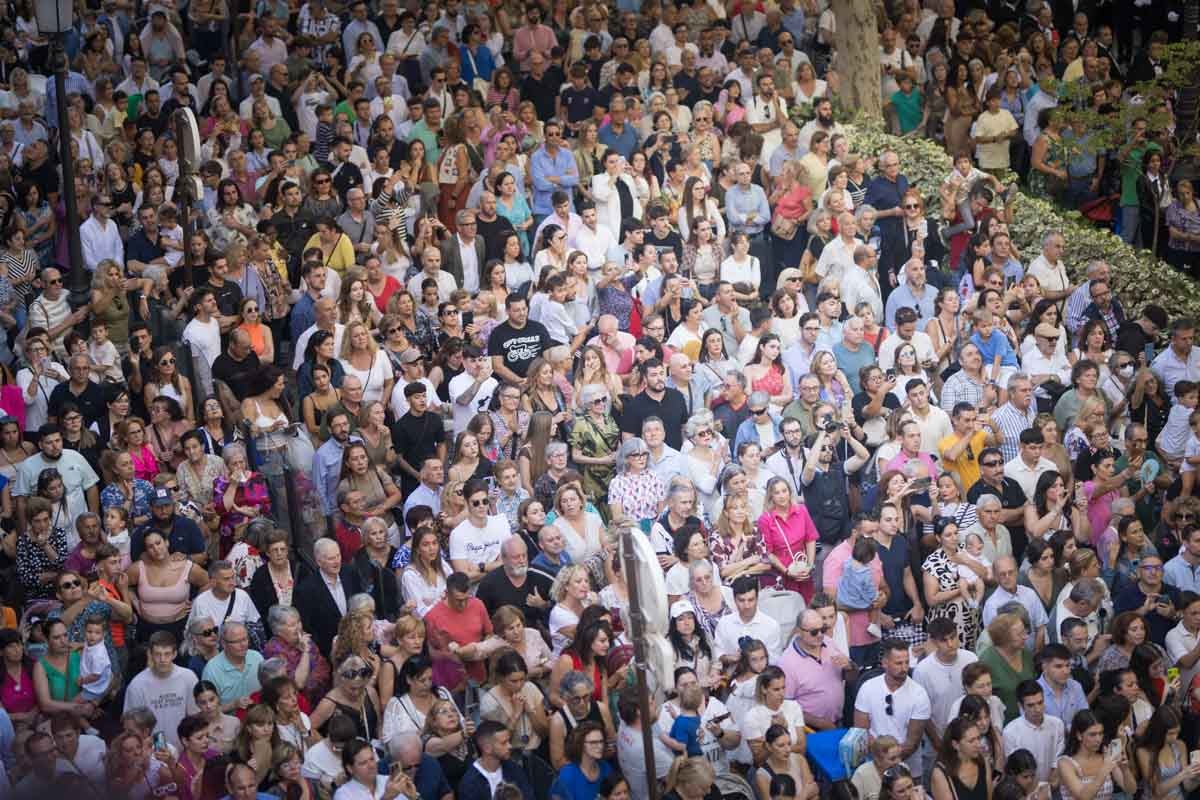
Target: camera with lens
(829, 424)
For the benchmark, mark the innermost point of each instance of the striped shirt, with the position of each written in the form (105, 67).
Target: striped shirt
(1011, 422)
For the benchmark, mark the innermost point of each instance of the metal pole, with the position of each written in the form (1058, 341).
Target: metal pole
(637, 626)
(80, 285)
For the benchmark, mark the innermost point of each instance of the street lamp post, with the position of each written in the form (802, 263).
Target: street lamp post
(54, 19)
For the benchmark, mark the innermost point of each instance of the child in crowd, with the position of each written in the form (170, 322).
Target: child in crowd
(857, 589)
(116, 528)
(975, 587)
(95, 667)
(685, 730)
(170, 235)
(104, 362)
(999, 360)
(1172, 440)
(1191, 456)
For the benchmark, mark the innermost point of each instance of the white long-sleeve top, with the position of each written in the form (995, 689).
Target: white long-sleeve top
(99, 242)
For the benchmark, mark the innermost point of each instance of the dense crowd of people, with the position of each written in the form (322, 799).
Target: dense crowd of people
(318, 491)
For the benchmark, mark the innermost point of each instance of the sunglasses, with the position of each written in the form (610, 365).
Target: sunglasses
(816, 631)
(705, 432)
(70, 585)
(207, 632)
(889, 705)
(757, 411)
(990, 463)
(479, 503)
(55, 282)
(351, 674)
(166, 362)
(911, 205)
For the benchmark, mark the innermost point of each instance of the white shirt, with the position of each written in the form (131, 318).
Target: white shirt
(1028, 476)
(170, 698)
(398, 110)
(339, 330)
(470, 264)
(353, 790)
(761, 110)
(459, 385)
(1045, 741)
(731, 628)
(920, 340)
(836, 259)
(246, 107)
(1179, 643)
(934, 426)
(943, 684)
(207, 605)
(445, 281)
(337, 590)
(100, 241)
(373, 378)
(205, 337)
(400, 404)
(1052, 277)
(88, 760)
(909, 702)
(1171, 369)
(594, 243)
(1034, 363)
(858, 286)
(479, 545)
(1025, 596)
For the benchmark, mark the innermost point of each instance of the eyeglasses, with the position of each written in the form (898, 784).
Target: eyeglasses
(70, 585)
(166, 362)
(1152, 567)
(639, 455)
(704, 433)
(911, 206)
(580, 698)
(479, 503)
(816, 631)
(321, 180)
(207, 632)
(757, 411)
(351, 674)
(991, 463)
(55, 282)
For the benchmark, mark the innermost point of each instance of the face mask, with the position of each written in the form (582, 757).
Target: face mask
(1126, 372)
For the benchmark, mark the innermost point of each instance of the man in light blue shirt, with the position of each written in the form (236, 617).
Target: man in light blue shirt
(327, 463)
(552, 167)
(234, 671)
(1181, 571)
(1064, 694)
(746, 205)
(913, 292)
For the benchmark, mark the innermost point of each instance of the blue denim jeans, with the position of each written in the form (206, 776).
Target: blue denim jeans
(1130, 218)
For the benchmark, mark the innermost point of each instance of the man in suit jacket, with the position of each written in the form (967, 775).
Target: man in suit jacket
(321, 597)
(463, 253)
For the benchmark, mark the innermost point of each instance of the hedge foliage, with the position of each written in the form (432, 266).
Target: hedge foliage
(1138, 277)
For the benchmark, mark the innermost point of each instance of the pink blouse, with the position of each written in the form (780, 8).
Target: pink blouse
(787, 539)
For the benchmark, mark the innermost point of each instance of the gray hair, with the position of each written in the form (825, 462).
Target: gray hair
(696, 422)
(554, 448)
(401, 743)
(590, 393)
(357, 602)
(628, 448)
(233, 449)
(696, 566)
(1015, 607)
(1016, 379)
(230, 626)
(199, 622)
(863, 210)
(573, 680)
(759, 399)
(277, 615)
(219, 565)
(271, 668)
(988, 501)
(1086, 590)
(1050, 236)
(86, 516)
(1094, 266)
(323, 544)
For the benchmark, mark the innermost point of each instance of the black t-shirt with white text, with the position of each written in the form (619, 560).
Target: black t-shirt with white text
(519, 347)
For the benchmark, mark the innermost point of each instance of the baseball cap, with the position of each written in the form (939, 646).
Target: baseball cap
(162, 497)
(681, 607)
(1047, 330)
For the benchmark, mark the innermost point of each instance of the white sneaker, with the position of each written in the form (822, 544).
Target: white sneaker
(875, 630)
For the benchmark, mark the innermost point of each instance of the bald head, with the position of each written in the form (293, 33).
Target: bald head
(608, 324)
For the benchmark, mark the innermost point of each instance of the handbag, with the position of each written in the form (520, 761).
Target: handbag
(784, 228)
(477, 83)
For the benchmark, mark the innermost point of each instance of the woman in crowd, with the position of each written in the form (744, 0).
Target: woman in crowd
(372, 563)
(124, 490)
(240, 496)
(586, 767)
(689, 545)
(1052, 509)
(447, 738)
(635, 493)
(571, 593)
(161, 587)
(362, 357)
(1087, 761)
(581, 528)
(789, 537)
(594, 439)
(362, 474)
(407, 643)
(961, 771)
(511, 633)
(131, 437)
(945, 592)
(515, 702)
(353, 694)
